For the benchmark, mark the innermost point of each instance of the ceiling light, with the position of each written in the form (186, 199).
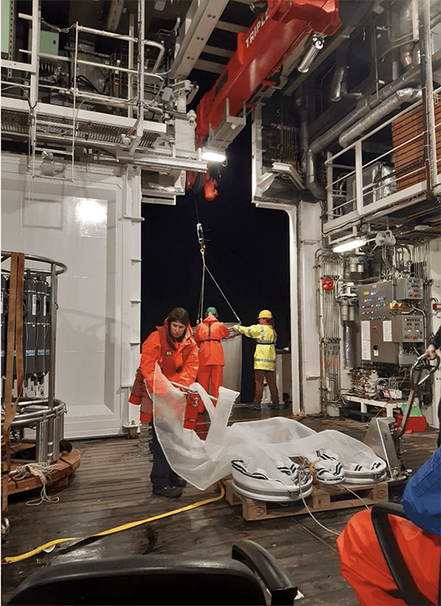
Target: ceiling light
(212, 156)
(317, 43)
(350, 245)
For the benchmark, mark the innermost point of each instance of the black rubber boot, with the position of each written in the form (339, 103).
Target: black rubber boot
(179, 482)
(168, 491)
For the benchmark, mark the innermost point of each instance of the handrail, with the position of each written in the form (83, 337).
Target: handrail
(342, 205)
(63, 268)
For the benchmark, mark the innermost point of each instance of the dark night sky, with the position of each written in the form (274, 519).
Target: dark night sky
(246, 251)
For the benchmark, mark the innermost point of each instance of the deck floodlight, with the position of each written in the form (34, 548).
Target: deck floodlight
(317, 43)
(349, 245)
(212, 156)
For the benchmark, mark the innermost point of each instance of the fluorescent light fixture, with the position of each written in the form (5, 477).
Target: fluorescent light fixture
(211, 156)
(350, 245)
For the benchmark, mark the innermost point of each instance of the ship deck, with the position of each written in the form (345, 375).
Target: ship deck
(111, 488)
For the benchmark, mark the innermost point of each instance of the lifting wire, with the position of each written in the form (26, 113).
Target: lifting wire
(201, 240)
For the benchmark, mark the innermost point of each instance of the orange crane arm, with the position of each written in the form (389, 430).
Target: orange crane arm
(261, 52)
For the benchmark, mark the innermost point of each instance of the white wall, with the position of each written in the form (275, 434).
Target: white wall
(82, 225)
(310, 241)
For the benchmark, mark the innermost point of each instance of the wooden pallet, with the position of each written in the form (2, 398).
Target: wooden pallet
(322, 498)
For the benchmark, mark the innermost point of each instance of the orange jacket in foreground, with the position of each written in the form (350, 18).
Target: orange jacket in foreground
(179, 365)
(208, 336)
(364, 567)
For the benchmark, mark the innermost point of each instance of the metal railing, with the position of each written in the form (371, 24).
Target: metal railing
(361, 183)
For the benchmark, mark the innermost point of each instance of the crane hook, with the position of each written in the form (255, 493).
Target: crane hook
(200, 233)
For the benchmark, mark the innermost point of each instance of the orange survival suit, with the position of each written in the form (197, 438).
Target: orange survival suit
(418, 538)
(179, 365)
(208, 336)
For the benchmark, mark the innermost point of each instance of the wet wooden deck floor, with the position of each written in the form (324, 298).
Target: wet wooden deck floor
(112, 488)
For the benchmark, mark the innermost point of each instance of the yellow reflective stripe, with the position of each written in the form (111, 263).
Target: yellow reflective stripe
(268, 338)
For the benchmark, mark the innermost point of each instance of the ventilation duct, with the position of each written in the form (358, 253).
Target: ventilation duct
(339, 75)
(401, 96)
(364, 107)
(403, 32)
(337, 83)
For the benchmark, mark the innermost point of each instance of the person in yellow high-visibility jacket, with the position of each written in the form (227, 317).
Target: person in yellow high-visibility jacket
(264, 356)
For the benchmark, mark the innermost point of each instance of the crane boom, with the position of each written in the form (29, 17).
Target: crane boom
(261, 52)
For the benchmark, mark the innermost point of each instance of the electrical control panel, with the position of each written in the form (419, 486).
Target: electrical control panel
(384, 324)
(409, 329)
(374, 300)
(408, 288)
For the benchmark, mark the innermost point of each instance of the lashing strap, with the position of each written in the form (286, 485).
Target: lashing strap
(14, 342)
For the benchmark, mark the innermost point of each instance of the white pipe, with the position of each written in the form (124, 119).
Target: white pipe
(161, 49)
(131, 58)
(430, 159)
(33, 89)
(35, 49)
(74, 102)
(101, 32)
(297, 404)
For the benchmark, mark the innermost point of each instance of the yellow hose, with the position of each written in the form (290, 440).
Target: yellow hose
(29, 554)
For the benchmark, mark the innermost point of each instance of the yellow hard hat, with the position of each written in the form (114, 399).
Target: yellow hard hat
(265, 313)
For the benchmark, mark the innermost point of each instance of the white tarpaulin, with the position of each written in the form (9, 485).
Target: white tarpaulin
(264, 448)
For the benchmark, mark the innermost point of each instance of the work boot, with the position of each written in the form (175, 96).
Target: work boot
(168, 491)
(180, 482)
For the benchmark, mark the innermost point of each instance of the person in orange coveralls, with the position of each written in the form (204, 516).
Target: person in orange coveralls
(173, 347)
(418, 538)
(208, 336)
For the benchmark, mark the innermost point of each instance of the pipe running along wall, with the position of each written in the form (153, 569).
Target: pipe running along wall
(367, 106)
